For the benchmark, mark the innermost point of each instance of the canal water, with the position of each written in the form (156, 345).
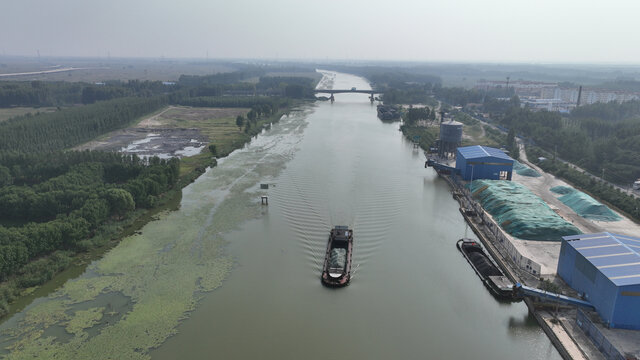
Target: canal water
(412, 294)
(226, 277)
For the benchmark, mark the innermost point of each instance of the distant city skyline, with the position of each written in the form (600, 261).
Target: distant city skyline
(545, 31)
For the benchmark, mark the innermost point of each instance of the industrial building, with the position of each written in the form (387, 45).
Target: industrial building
(482, 162)
(605, 268)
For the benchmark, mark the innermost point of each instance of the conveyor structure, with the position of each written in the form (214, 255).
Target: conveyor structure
(523, 290)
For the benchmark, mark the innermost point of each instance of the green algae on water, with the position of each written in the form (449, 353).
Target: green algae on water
(84, 319)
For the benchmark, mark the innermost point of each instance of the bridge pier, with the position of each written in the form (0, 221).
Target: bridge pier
(332, 92)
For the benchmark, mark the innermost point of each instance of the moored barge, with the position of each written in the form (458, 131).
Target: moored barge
(388, 112)
(336, 271)
(492, 277)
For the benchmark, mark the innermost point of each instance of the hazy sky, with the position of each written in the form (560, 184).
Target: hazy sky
(458, 30)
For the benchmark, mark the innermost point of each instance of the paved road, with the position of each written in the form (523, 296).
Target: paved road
(52, 71)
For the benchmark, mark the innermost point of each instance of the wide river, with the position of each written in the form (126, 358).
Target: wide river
(226, 277)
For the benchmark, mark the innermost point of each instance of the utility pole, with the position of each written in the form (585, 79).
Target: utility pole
(508, 85)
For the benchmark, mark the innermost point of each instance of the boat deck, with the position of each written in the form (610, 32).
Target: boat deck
(502, 282)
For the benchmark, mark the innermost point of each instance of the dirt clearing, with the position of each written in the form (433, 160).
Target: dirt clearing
(172, 132)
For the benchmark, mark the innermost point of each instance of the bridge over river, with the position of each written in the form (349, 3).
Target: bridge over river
(351, 91)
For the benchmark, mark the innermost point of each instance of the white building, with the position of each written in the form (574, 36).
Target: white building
(552, 94)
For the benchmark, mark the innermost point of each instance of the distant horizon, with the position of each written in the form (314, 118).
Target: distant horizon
(316, 60)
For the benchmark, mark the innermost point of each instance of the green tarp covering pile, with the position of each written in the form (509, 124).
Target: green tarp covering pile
(562, 190)
(519, 212)
(584, 205)
(524, 170)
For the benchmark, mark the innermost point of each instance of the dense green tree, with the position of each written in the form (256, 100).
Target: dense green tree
(95, 211)
(415, 114)
(251, 115)
(120, 201)
(5, 176)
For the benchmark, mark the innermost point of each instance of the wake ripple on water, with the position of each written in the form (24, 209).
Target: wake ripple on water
(303, 210)
(308, 204)
(376, 212)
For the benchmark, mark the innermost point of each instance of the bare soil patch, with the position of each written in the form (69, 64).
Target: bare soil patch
(173, 132)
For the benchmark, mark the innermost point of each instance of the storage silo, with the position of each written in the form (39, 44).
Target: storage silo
(450, 137)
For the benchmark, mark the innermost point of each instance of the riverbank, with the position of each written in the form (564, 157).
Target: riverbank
(64, 266)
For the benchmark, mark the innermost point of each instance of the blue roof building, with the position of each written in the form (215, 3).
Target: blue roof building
(605, 268)
(482, 162)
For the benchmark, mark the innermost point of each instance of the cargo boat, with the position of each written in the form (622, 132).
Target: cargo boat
(492, 277)
(388, 112)
(336, 271)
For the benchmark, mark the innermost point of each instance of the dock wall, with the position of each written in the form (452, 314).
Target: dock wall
(599, 340)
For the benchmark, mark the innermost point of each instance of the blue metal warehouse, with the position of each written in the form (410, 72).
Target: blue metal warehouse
(605, 267)
(482, 162)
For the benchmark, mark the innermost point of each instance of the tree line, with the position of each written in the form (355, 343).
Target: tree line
(72, 126)
(415, 114)
(233, 101)
(60, 93)
(611, 111)
(54, 201)
(239, 82)
(586, 139)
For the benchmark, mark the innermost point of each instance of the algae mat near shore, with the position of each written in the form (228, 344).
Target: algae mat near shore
(131, 300)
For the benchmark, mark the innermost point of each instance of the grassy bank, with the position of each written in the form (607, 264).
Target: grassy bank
(426, 136)
(225, 136)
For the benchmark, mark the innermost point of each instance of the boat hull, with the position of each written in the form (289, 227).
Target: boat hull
(492, 277)
(340, 238)
(388, 113)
